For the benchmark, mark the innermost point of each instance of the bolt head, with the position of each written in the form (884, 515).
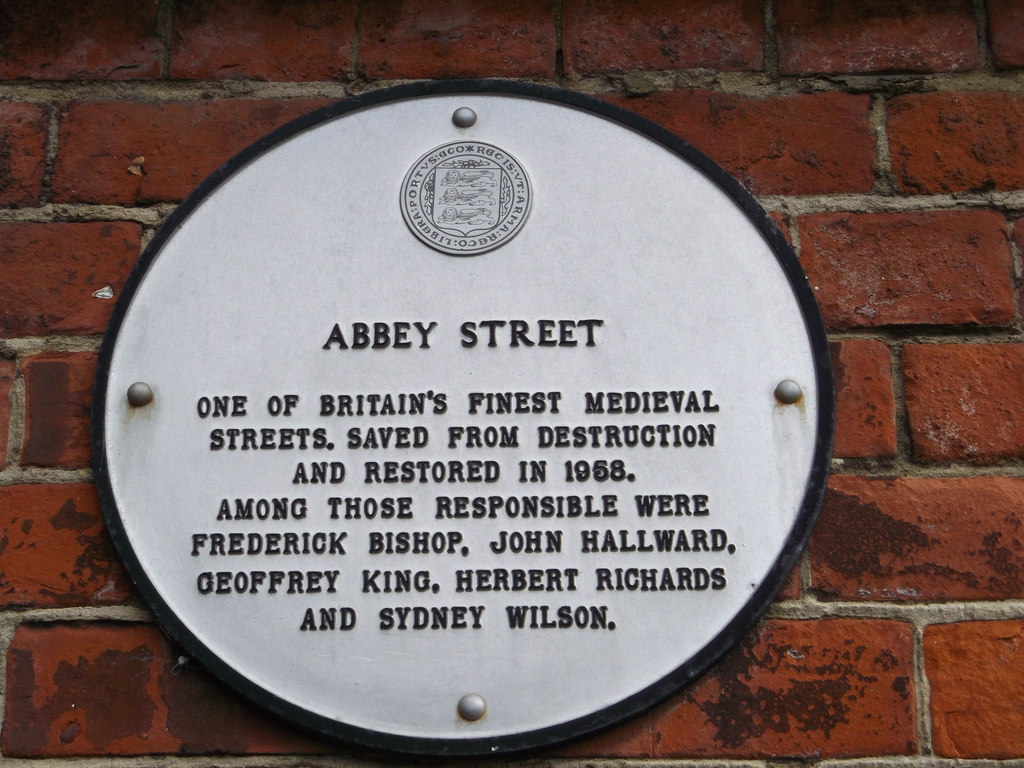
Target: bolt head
(788, 392)
(472, 707)
(139, 394)
(464, 117)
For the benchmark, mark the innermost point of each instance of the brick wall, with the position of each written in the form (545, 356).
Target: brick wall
(886, 138)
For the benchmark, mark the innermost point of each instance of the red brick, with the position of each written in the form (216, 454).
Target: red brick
(7, 374)
(922, 268)
(206, 718)
(85, 690)
(783, 224)
(179, 144)
(58, 396)
(606, 36)
(920, 539)
(117, 689)
(457, 38)
(801, 689)
(79, 40)
(22, 152)
(55, 549)
(791, 588)
(1006, 32)
(955, 142)
(793, 145)
(965, 401)
(636, 738)
(1018, 241)
(876, 36)
(51, 272)
(633, 738)
(269, 41)
(865, 405)
(976, 674)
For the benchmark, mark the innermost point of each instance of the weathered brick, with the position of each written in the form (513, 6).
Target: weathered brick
(865, 405)
(269, 41)
(802, 689)
(791, 588)
(51, 272)
(954, 142)
(22, 152)
(79, 40)
(965, 401)
(920, 539)
(783, 224)
(606, 36)
(458, 38)
(1006, 32)
(1018, 241)
(926, 268)
(119, 689)
(58, 396)
(55, 549)
(125, 152)
(8, 371)
(876, 36)
(634, 738)
(791, 145)
(85, 690)
(976, 673)
(205, 717)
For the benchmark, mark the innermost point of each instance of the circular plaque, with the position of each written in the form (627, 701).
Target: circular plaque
(463, 418)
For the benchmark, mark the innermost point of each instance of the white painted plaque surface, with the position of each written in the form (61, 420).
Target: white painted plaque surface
(635, 272)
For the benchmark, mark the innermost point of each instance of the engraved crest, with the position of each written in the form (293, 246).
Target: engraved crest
(465, 197)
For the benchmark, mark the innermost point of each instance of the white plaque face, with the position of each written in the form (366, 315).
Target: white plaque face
(468, 469)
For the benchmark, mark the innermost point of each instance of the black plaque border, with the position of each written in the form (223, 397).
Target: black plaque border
(630, 707)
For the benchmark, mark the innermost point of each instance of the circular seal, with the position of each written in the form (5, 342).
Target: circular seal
(466, 198)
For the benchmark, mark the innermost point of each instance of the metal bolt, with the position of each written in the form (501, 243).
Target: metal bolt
(472, 707)
(464, 117)
(140, 393)
(788, 392)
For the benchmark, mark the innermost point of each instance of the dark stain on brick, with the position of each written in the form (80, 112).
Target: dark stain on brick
(69, 518)
(886, 661)
(902, 686)
(109, 692)
(856, 537)
(95, 555)
(1005, 562)
(7, 183)
(201, 713)
(806, 706)
(208, 718)
(70, 732)
(745, 711)
(937, 571)
(7, 22)
(49, 409)
(24, 730)
(839, 374)
(98, 572)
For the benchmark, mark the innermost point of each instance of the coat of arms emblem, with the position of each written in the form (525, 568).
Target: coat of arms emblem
(466, 197)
